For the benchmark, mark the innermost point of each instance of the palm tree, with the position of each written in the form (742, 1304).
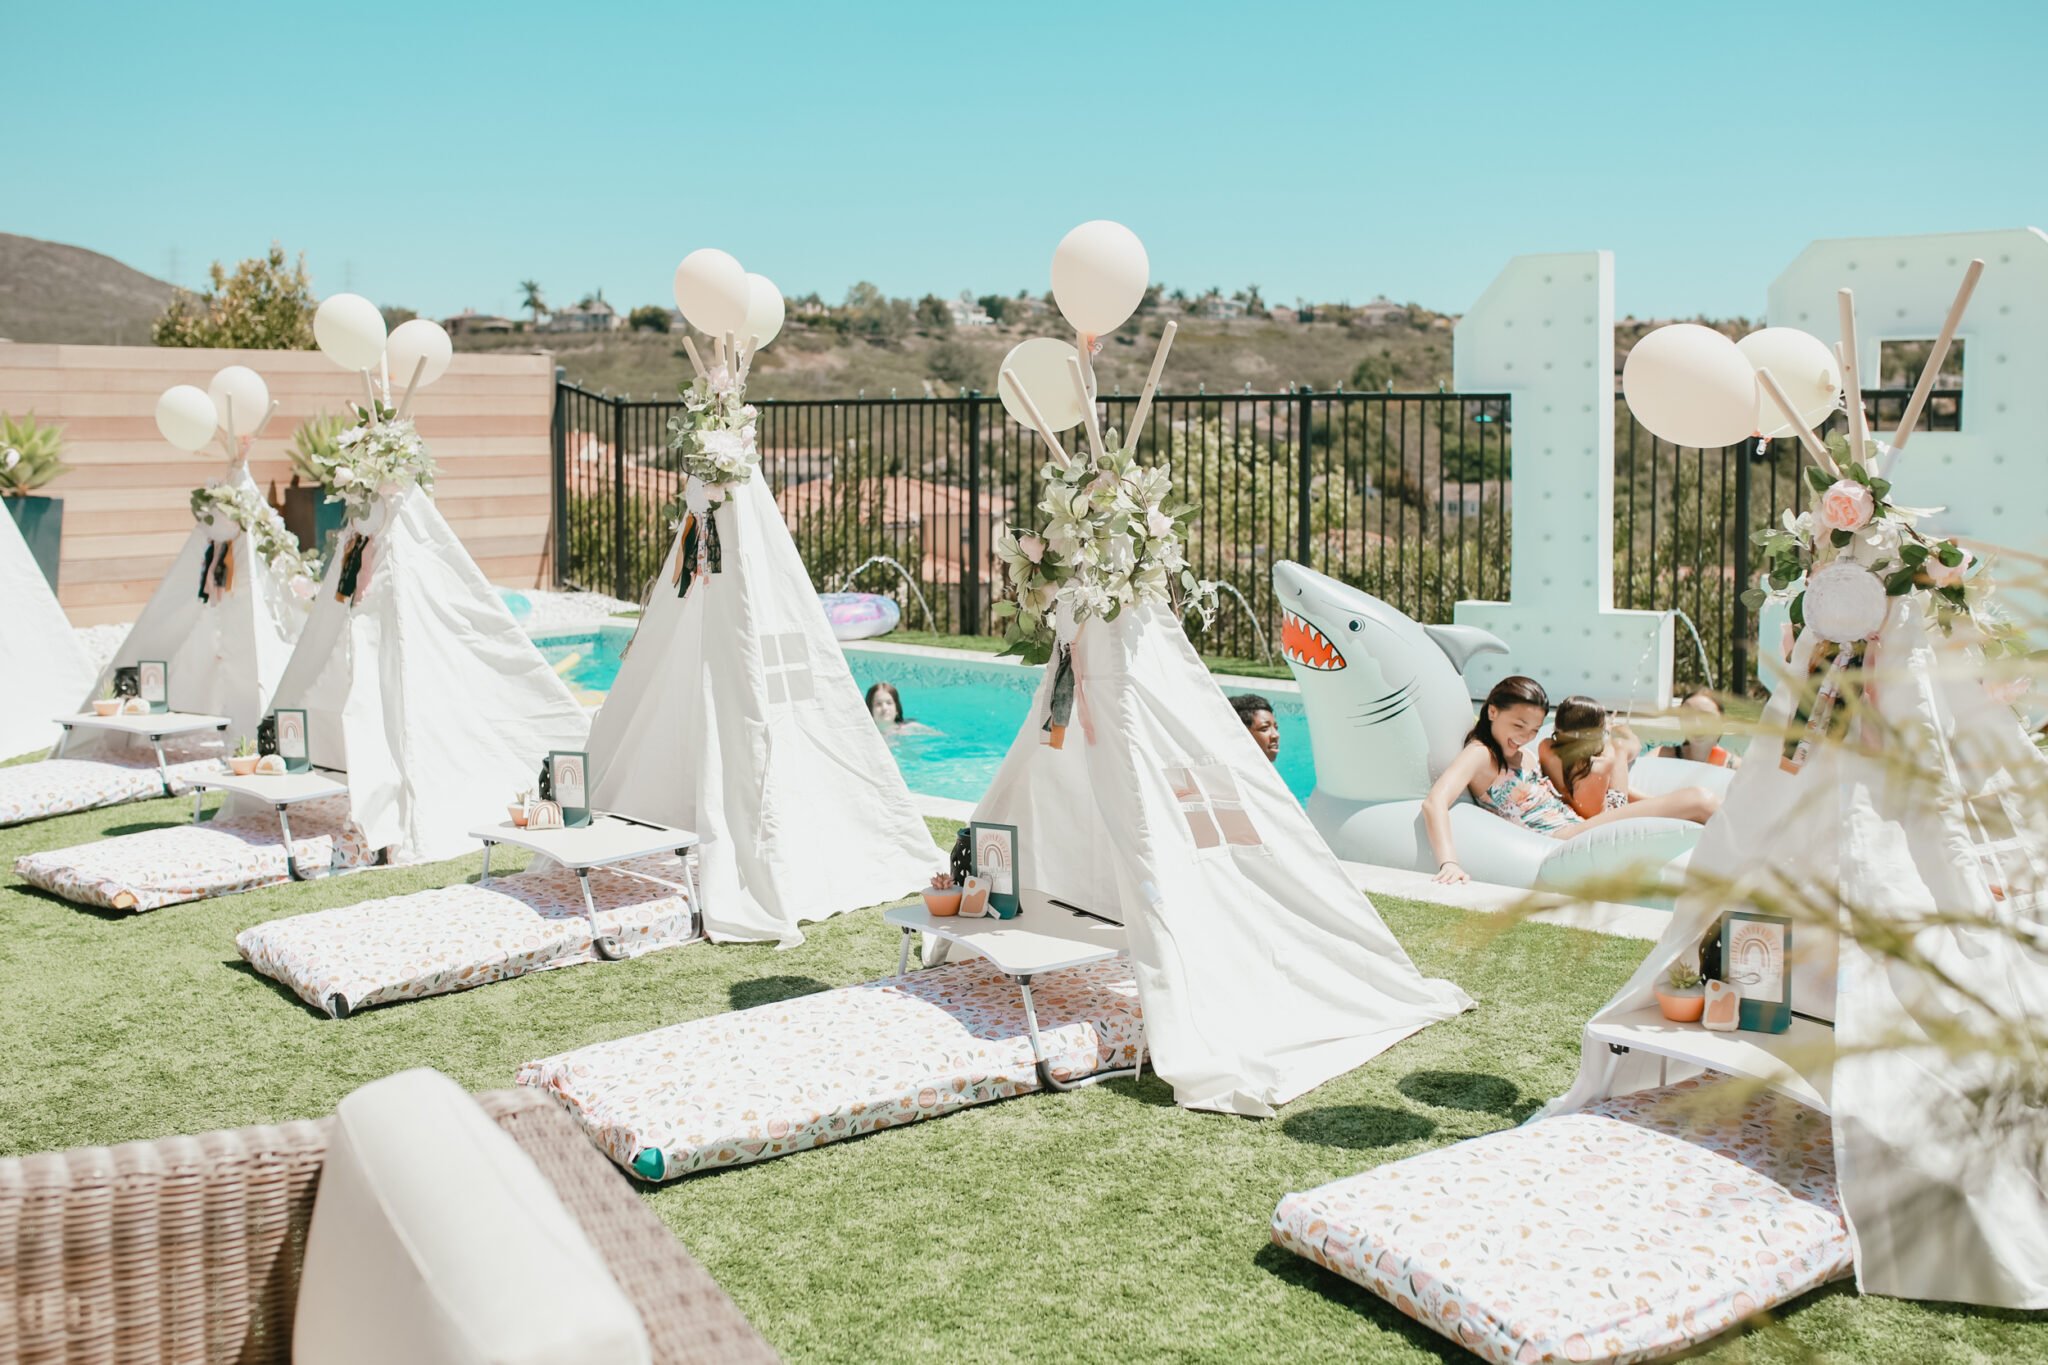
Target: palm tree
(532, 300)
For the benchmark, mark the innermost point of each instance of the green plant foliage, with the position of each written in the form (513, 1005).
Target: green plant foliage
(316, 447)
(29, 454)
(265, 305)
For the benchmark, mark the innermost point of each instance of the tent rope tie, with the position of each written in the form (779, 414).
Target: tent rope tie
(205, 570)
(1060, 707)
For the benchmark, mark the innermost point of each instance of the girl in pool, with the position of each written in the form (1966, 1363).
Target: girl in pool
(1586, 758)
(1499, 766)
(885, 704)
(1702, 743)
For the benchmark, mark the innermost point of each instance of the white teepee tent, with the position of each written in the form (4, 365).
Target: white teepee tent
(735, 715)
(225, 640)
(422, 688)
(1941, 1204)
(1263, 970)
(45, 670)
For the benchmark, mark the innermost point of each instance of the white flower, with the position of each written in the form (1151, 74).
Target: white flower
(1877, 542)
(343, 475)
(303, 587)
(1157, 524)
(1031, 547)
(10, 459)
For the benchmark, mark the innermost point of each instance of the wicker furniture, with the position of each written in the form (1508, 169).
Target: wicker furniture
(188, 1249)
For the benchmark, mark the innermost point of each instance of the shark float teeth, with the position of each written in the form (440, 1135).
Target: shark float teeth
(1301, 643)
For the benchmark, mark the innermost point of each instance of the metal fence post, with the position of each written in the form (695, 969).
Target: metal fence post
(1304, 539)
(970, 572)
(1738, 682)
(559, 449)
(620, 588)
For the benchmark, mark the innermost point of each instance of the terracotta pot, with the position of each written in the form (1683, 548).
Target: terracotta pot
(241, 765)
(518, 815)
(106, 706)
(1682, 1007)
(942, 901)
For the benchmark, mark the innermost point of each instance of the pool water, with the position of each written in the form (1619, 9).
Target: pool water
(969, 709)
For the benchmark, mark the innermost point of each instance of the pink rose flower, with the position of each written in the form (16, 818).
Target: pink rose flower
(1945, 577)
(1846, 506)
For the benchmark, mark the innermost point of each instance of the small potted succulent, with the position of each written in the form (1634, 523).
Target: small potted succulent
(517, 810)
(108, 703)
(1681, 995)
(29, 458)
(942, 897)
(243, 761)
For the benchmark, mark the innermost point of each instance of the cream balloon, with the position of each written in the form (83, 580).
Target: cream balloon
(251, 399)
(350, 331)
(1689, 385)
(186, 416)
(414, 341)
(712, 291)
(1040, 365)
(1099, 276)
(1804, 366)
(764, 311)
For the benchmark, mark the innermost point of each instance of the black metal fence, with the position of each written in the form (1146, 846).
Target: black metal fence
(1408, 496)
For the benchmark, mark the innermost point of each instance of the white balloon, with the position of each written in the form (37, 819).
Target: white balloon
(350, 330)
(1804, 366)
(186, 416)
(1689, 385)
(1099, 276)
(712, 291)
(1040, 365)
(1845, 602)
(414, 341)
(764, 311)
(250, 394)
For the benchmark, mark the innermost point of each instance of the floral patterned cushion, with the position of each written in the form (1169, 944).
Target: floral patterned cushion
(456, 937)
(59, 786)
(780, 1078)
(162, 867)
(1623, 1233)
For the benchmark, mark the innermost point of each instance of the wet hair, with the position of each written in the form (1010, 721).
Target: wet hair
(882, 689)
(1248, 705)
(1578, 737)
(1514, 690)
(1707, 692)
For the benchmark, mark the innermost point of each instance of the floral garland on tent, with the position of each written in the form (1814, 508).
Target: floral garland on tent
(714, 437)
(278, 546)
(1111, 542)
(378, 457)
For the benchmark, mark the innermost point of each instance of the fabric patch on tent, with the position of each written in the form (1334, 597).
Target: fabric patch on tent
(786, 661)
(1212, 805)
(455, 937)
(784, 1077)
(1621, 1233)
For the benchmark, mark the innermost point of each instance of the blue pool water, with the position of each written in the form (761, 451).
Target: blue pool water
(972, 708)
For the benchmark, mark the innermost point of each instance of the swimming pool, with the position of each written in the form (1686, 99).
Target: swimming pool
(972, 705)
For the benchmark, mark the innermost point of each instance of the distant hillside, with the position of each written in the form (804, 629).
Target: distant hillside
(53, 292)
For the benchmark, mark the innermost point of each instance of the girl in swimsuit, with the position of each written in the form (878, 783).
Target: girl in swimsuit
(1499, 767)
(1585, 763)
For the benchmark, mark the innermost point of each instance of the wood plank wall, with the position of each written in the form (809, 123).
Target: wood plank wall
(125, 510)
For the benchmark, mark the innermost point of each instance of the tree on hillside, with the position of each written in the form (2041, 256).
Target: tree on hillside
(263, 306)
(648, 317)
(995, 305)
(1150, 303)
(531, 300)
(871, 314)
(933, 315)
(393, 315)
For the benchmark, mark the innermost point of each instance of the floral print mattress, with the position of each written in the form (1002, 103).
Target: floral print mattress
(160, 867)
(800, 1073)
(59, 786)
(456, 937)
(1624, 1233)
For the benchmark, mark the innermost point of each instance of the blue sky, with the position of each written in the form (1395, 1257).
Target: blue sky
(433, 156)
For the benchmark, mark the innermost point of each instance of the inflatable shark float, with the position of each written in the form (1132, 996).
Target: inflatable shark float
(1388, 710)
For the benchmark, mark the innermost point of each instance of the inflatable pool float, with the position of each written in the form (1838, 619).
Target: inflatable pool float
(1388, 710)
(860, 615)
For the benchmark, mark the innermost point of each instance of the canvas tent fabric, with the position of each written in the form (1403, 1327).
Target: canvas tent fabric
(424, 690)
(43, 669)
(1943, 1203)
(1264, 972)
(224, 655)
(734, 715)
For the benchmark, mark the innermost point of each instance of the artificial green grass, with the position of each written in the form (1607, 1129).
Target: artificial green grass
(1101, 1224)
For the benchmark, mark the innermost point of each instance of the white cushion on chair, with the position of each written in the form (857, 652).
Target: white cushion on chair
(435, 1239)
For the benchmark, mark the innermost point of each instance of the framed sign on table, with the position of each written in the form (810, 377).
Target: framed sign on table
(1756, 960)
(995, 861)
(153, 683)
(569, 772)
(293, 744)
